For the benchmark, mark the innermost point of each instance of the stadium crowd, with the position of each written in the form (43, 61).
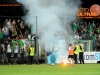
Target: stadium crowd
(11, 34)
(88, 31)
(16, 29)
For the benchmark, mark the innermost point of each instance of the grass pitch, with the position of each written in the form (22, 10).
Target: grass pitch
(45, 69)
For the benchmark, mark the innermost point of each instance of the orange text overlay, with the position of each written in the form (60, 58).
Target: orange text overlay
(85, 12)
(10, 4)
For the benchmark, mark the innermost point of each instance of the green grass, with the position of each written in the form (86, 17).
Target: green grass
(44, 69)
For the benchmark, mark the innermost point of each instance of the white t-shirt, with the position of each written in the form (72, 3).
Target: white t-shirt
(77, 37)
(8, 48)
(17, 48)
(5, 30)
(9, 24)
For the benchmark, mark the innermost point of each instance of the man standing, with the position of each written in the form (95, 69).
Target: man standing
(31, 54)
(3, 53)
(75, 53)
(16, 53)
(81, 50)
(15, 49)
(21, 50)
(1, 38)
(71, 54)
(9, 50)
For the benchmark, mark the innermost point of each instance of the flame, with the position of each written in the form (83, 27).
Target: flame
(64, 62)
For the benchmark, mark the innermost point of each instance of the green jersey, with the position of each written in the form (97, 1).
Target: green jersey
(1, 35)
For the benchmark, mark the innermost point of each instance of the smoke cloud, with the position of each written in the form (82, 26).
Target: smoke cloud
(53, 17)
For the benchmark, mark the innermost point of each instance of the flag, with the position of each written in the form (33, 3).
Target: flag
(21, 43)
(14, 44)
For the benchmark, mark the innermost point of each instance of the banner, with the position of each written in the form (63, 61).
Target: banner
(89, 57)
